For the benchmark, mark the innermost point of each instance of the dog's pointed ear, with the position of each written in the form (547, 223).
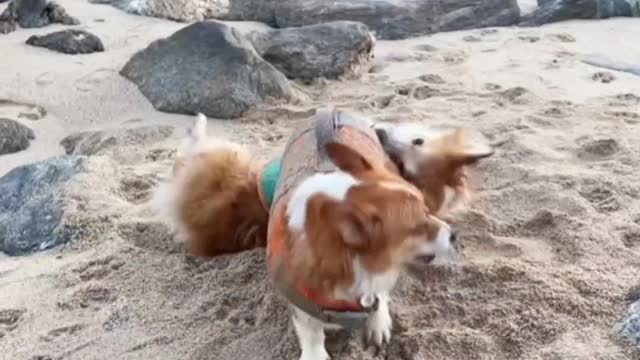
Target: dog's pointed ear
(347, 159)
(466, 151)
(358, 231)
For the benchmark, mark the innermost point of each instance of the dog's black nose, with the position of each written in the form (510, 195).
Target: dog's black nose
(382, 136)
(453, 237)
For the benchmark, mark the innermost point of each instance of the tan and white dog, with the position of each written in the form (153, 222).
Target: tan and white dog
(347, 233)
(437, 161)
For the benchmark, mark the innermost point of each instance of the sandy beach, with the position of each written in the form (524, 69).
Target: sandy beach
(549, 250)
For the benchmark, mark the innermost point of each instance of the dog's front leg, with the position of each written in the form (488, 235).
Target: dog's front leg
(379, 323)
(310, 332)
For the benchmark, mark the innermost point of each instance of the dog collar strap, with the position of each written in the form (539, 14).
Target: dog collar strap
(347, 314)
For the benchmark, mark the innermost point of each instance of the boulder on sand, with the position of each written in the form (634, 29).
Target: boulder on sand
(31, 210)
(14, 136)
(330, 50)
(34, 14)
(178, 10)
(68, 42)
(559, 10)
(205, 67)
(390, 19)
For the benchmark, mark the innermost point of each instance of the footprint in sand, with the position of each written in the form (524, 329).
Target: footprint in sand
(598, 149)
(424, 92)
(431, 79)
(154, 236)
(604, 77)
(471, 38)
(529, 38)
(12, 109)
(137, 189)
(628, 117)
(486, 32)
(601, 197)
(566, 38)
(90, 295)
(98, 269)
(425, 48)
(9, 319)
(454, 57)
(382, 101)
(44, 79)
(631, 238)
(88, 82)
(62, 331)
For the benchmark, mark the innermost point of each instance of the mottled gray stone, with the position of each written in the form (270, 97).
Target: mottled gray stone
(205, 67)
(330, 50)
(31, 209)
(390, 19)
(34, 14)
(629, 329)
(178, 10)
(14, 136)
(68, 42)
(97, 142)
(559, 10)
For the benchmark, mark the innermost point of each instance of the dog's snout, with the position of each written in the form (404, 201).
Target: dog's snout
(453, 237)
(382, 135)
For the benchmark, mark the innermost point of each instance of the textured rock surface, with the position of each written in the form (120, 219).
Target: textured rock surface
(14, 136)
(33, 14)
(31, 209)
(97, 142)
(179, 10)
(205, 67)
(558, 10)
(330, 50)
(629, 329)
(390, 19)
(68, 42)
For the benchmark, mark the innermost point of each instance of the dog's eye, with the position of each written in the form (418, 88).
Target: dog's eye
(418, 141)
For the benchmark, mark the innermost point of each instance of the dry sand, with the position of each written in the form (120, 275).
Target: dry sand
(549, 250)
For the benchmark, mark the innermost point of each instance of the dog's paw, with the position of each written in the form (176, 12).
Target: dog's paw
(317, 353)
(378, 329)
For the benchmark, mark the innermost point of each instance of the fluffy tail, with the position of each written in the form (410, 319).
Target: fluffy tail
(213, 198)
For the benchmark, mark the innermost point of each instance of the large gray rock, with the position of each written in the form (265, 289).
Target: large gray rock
(14, 136)
(330, 50)
(178, 10)
(31, 209)
(558, 10)
(629, 329)
(33, 14)
(68, 42)
(390, 19)
(205, 67)
(98, 142)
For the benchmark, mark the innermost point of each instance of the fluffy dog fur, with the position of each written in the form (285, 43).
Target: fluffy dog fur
(350, 232)
(213, 197)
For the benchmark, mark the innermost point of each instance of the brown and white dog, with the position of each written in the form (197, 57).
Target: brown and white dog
(349, 233)
(437, 161)
(214, 197)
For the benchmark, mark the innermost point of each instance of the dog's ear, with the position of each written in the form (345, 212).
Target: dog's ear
(347, 159)
(358, 231)
(464, 150)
